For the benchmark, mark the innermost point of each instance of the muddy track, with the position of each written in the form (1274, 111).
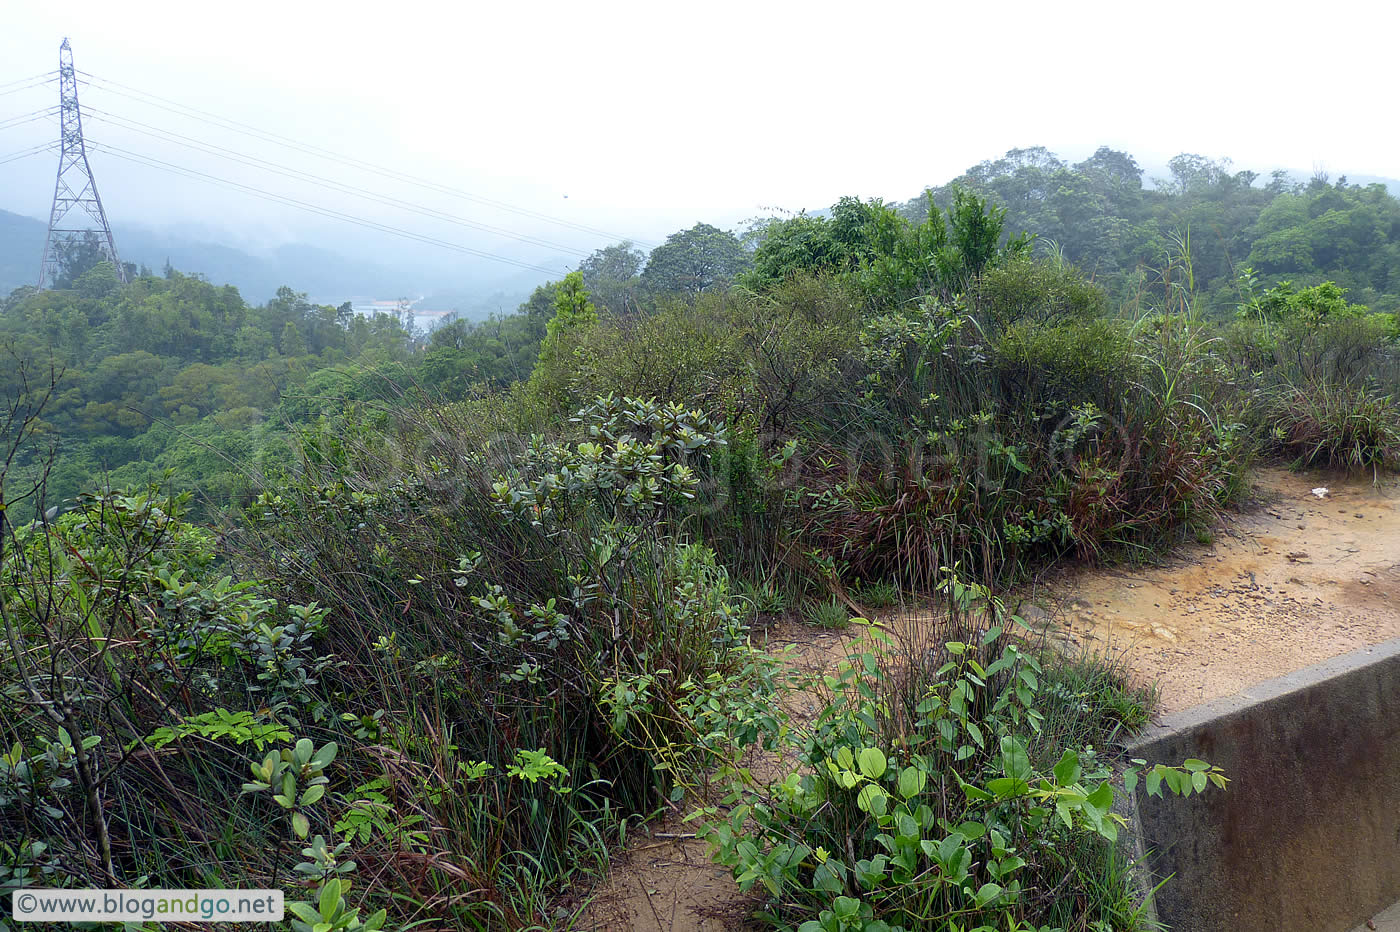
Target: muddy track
(1292, 579)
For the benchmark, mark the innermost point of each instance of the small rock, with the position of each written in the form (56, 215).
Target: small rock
(1321, 492)
(1033, 614)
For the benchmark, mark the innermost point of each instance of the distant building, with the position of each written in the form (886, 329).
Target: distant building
(422, 319)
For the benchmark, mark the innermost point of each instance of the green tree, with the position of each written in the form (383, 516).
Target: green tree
(97, 282)
(619, 263)
(291, 341)
(574, 316)
(695, 260)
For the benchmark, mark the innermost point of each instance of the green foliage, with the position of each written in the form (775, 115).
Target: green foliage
(560, 641)
(219, 725)
(1345, 427)
(876, 593)
(1054, 367)
(700, 259)
(944, 817)
(511, 643)
(176, 373)
(831, 615)
(1324, 374)
(1099, 215)
(1040, 291)
(574, 316)
(888, 259)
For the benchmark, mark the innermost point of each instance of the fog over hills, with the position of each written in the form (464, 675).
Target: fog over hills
(354, 264)
(324, 274)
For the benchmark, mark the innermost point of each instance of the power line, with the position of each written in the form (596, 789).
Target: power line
(27, 117)
(204, 116)
(16, 90)
(26, 153)
(151, 162)
(47, 76)
(189, 142)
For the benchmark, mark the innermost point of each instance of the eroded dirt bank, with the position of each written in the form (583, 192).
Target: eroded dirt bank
(1292, 580)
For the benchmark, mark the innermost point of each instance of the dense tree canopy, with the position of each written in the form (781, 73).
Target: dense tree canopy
(1105, 218)
(162, 370)
(695, 260)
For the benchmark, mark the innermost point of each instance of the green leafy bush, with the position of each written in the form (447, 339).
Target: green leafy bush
(1050, 368)
(943, 820)
(535, 599)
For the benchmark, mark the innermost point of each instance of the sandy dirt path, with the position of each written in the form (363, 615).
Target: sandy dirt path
(1294, 580)
(666, 881)
(1291, 580)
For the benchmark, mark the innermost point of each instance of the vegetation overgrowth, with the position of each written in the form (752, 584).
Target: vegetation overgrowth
(416, 629)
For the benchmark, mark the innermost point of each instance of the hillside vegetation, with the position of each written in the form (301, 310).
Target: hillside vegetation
(416, 628)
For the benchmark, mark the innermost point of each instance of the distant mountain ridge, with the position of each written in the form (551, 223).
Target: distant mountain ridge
(305, 268)
(1391, 184)
(21, 247)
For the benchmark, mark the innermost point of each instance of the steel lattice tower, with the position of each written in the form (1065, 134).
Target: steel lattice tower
(75, 189)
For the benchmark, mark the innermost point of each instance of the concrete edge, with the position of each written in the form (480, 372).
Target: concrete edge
(1130, 843)
(1267, 691)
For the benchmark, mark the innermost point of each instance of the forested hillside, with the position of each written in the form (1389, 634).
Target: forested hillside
(1118, 226)
(176, 374)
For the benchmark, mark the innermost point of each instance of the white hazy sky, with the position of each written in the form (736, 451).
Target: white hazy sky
(650, 116)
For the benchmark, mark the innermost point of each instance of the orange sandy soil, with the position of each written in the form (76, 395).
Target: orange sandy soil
(1295, 580)
(1291, 580)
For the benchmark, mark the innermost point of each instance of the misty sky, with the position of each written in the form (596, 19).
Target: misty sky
(642, 118)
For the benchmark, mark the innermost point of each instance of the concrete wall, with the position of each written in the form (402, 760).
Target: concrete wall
(1307, 836)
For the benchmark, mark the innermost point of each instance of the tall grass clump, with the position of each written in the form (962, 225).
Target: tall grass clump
(1323, 376)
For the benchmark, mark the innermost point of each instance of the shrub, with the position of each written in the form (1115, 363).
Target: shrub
(946, 817)
(1048, 369)
(513, 648)
(1341, 427)
(1040, 291)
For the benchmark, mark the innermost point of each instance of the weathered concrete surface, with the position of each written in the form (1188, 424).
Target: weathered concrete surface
(1307, 837)
(1388, 921)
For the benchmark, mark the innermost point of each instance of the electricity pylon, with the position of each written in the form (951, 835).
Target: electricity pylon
(75, 191)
